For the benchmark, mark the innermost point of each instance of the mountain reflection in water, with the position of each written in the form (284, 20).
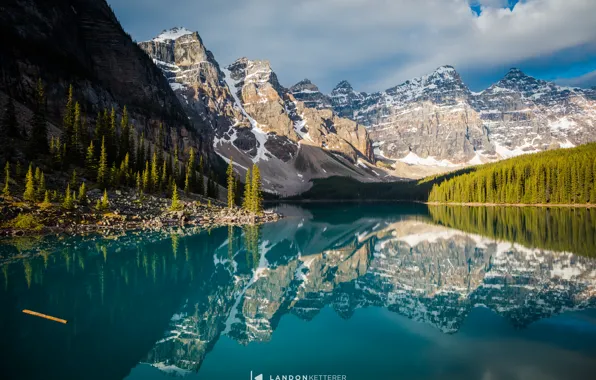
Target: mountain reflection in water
(240, 283)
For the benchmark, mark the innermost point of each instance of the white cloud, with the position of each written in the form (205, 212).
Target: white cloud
(586, 80)
(387, 41)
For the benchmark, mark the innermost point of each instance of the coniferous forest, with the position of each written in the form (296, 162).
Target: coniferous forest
(563, 176)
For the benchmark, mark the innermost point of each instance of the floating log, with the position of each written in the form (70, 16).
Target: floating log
(44, 316)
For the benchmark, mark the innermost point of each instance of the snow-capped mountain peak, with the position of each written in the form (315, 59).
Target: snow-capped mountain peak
(172, 34)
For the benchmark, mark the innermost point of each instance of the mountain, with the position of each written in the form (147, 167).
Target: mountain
(250, 117)
(81, 42)
(435, 123)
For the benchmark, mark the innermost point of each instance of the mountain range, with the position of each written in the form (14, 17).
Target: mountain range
(423, 126)
(426, 125)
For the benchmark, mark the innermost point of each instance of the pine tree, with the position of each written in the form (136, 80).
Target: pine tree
(82, 194)
(38, 141)
(29, 194)
(73, 179)
(176, 205)
(187, 182)
(154, 173)
(231, 183)
(256, 196)
(41, 186)
(6, 189)
(247, 192)
(46, 199)
(90, 162)
(102, 169)
(68, 119)
(201, 179)
(164, 176)
(105, 203)
(111, 142)
(76, 143)
(68, 203)
(124, 147)
(160, 144)
(146, 178)
(138, 183)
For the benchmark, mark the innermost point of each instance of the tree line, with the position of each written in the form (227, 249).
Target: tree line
(563, 176)
(112, 155)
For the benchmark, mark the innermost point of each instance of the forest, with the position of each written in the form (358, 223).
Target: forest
(562, 176)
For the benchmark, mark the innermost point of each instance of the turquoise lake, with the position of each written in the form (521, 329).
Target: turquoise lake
(360, 291)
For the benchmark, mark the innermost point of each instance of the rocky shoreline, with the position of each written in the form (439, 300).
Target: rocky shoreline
(126, 211)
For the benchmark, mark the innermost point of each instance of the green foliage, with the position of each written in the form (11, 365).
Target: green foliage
(231, 183)
(201, 179)
(247, 191)
(176, 205)
(102, 169)
(25, 222)
(29, 194)
(256, 197)
(68, 203)
(6, 189)
(564, 176)
(82, 194)
(105, 202)
(90, 161)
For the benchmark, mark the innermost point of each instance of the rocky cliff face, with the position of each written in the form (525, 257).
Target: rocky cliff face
(435, 121)
(249, 116)
(425, 272)
(81, 43)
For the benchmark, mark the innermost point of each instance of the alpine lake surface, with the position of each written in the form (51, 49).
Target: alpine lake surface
(360, 291)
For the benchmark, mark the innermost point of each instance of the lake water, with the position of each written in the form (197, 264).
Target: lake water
(371, 291)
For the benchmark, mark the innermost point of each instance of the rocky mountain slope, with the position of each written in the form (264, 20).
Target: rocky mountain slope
(252, 118)
(81, 43)
(425, 272)
(435, 123)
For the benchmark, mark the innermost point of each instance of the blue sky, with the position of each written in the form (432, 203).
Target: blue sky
(376, 44)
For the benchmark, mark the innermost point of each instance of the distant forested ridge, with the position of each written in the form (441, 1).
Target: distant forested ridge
(563, 176)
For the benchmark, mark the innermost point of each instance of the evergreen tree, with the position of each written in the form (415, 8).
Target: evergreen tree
(77, 133)
(68, 203)
(176, 205)
(29, 194)
(154, 173)
(187, 182)
(68, 119)
(38, 141)
(46, 199)
(41, 186)
(201, 179)
(82, 193)
(256, 196)
(105, 202)
(90, 162)
(247, 192)
(6, 189)
(164, 176)
(102, 169)
(146, 178)
(124, 147)
(231, 183)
